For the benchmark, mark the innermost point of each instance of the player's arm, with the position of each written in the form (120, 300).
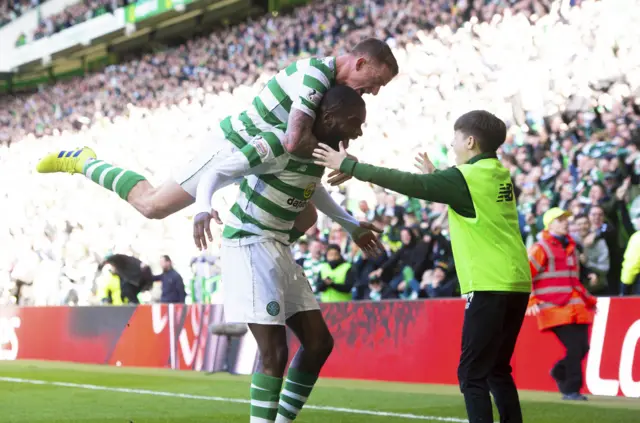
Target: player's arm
(447, 186)
(316, 81)
(257, 157)
(361, 232)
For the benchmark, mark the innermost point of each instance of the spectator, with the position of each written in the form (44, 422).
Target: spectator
(594, 256)
(312, 262)
(438, 282)
(333, 282)
(608, 233)
(301, 251)
(172, 285)
(560, 302)
(134, 276)
(109, 290)
(364, 287)
(406, 266)
(572, 115)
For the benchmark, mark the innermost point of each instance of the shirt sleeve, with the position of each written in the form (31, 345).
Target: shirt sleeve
(315, 82)
(259, 156)
(323, 202)
(446, 186)
(537, 260)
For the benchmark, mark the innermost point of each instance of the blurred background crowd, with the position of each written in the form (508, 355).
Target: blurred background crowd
(564, 75)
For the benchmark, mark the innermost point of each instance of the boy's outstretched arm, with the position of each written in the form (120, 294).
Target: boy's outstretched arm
(446, 186)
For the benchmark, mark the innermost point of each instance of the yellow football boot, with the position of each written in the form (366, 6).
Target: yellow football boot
(70, 161)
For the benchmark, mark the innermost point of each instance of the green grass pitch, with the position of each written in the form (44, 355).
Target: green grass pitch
(39, 392)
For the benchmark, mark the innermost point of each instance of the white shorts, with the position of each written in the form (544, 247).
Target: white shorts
(215, 148)
(263, 284)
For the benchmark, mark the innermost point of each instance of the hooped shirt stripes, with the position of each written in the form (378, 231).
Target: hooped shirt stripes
(300, 85)
(276, 188)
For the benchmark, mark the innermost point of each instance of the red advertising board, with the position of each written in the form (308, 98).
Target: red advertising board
(404, 341)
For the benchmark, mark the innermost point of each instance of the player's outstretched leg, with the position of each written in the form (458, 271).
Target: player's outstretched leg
(266, 384)
(316, 346)
(153, 203)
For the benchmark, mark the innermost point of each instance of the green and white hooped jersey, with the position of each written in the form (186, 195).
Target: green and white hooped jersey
(300, 85)
(276, 188)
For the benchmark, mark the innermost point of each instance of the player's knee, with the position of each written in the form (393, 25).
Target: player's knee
(152, 209)
(320, 347)
(153, 213)
(275, 358)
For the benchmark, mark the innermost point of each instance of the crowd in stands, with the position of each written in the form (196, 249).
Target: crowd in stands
(72, 15)
(564, 76)
(13, 9)
(75, 14)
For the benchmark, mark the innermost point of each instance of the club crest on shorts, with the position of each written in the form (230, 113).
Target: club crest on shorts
(261, 146)
(273, 308)
(309, 190)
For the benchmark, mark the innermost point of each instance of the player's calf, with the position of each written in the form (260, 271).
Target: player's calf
(316, 346)
(160, 202)
(266, 384)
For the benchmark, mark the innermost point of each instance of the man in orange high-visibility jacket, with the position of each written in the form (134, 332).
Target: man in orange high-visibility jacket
(561, 303)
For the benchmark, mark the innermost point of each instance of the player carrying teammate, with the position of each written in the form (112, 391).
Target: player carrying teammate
(288, 102)
(264, 286)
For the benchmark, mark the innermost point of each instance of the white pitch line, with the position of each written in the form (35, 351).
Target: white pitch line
(233, 400)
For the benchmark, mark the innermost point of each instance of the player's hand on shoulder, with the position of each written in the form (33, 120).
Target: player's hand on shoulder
(202, 226)
(424, 164)
(336, 177)
(328, 157)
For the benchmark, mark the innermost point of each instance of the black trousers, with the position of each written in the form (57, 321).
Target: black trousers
(492, 322)
(568, 371)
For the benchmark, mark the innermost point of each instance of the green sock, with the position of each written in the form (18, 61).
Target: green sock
(113, 178)
(264, 398)
(295, 393)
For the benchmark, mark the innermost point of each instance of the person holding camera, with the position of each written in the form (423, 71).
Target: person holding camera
(134, 275)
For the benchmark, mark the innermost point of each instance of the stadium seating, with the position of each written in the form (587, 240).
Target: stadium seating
(564, 77)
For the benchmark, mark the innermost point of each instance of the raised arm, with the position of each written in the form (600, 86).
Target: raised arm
(447, 186)
(299, 140)
(316, 80)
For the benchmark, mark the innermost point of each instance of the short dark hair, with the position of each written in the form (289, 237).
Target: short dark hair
(341, 97)
(166, 258)
(488, 130)
(334, 247)
(378, 51)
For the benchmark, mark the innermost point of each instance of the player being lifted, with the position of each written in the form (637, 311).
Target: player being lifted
(288, 103)
(264, 286)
